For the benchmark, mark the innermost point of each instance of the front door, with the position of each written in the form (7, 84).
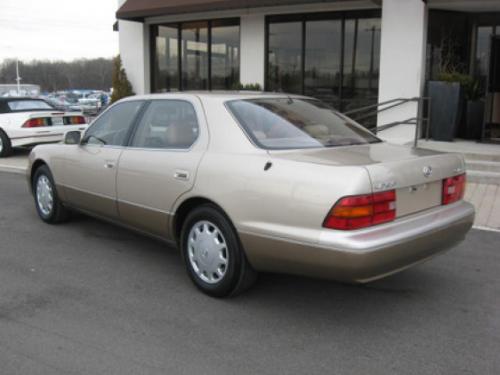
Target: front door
(89, 178)
(160, 163)
(493, 94)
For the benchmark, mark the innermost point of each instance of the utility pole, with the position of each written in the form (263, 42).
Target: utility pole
(18, 79)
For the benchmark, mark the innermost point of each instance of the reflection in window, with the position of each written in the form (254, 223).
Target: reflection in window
(361, 63)
(208, 55)
(225, 56)
(484, 34)
(166, 68)
(341, 56)
(195, 56)
(285, 57)
(322, 60)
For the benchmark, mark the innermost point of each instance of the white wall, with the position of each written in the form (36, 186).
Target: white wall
(402, 63)
(134, 51)
(252, 47)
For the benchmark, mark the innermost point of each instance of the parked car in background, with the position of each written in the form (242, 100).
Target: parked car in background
(256, 182)
(30, 121)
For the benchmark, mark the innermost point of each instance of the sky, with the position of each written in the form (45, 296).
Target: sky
(57, 29)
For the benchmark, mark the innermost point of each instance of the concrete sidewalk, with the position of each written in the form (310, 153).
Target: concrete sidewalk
(485, 197)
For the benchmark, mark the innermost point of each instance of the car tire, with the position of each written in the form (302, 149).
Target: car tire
(213, 255)
(5, 145)
(48, 205)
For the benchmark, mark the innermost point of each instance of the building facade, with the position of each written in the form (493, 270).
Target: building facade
(348, 53)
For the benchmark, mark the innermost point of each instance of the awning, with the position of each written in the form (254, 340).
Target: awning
(137, 10)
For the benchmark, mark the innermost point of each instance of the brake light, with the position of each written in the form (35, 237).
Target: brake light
(453, 189)
(36, 122)
(74, 120)
(362, 211)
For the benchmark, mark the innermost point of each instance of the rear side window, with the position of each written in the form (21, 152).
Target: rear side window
(290, 123)
(28, 105)
(112, 127)
(167, 124)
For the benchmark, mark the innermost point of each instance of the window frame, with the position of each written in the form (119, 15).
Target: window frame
(217, 22)
(343, 16)
(139, 119)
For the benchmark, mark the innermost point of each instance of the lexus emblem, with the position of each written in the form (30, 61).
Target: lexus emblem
(427, 171)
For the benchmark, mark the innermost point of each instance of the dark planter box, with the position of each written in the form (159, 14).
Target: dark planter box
(445, 109)
(474, 119)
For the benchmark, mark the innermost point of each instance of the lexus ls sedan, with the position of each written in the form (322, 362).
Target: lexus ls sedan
(243, 183)
(26, 122)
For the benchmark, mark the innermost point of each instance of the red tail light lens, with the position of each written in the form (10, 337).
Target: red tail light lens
(453, 189)
(36, 122)
(74, 120)
(362, 211)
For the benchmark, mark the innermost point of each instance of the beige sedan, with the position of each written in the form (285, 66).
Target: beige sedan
(256, 182)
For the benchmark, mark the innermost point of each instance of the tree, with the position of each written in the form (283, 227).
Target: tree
(121, 85)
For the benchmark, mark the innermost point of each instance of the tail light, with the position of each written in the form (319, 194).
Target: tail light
(453, 189)
(36, 122)
(362, 211)
(74, 120)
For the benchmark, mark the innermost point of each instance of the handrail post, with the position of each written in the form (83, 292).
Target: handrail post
(418, 122)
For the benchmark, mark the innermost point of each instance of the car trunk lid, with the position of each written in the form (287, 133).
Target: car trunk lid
(415, 174)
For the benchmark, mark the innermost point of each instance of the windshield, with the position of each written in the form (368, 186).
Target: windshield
(28, 105)
(288, 123)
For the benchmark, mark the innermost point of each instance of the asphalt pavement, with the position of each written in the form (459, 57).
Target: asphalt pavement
(90, 298)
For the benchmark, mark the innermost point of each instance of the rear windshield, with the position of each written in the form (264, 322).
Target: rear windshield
(28, 105)
(290, 123)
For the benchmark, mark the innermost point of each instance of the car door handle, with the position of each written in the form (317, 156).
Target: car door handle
(181, 175)
(109, 165)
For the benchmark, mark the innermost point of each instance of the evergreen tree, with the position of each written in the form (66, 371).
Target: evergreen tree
(121, 85)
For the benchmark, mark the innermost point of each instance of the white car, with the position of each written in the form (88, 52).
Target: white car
(26, 122)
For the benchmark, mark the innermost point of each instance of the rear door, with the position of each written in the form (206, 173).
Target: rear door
(89, 178)
(160, 162)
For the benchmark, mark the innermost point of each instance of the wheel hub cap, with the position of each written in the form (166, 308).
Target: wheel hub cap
(44, 195)
(207, 251)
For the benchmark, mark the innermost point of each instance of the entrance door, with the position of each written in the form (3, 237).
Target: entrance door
(493, 92)
(89, 178)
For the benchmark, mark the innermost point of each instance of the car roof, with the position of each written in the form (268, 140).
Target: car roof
(223, 95)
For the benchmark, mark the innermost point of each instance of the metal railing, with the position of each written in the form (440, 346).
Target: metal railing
(369, 111)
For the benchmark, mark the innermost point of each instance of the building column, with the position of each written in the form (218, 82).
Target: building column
(252, 47)
(402, 64)
(134, 52)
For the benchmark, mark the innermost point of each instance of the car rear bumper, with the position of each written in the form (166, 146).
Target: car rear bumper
(367, 254)
(25, 138)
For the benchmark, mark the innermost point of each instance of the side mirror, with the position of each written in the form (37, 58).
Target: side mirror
(72, 137)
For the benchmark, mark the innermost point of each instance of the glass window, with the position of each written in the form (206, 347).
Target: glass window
(334, 57)
(207, 56)
(28, 105)
(225, 55)
(195, 56)
(322, 60)
(167, 124)
(285, 57)
(484, 34)
(112, 127)
(289, 123)
(166, 67)
(361, 63)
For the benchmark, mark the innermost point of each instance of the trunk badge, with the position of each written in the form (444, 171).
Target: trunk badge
(427, 171)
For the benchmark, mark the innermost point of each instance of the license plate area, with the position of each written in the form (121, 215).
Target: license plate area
(57, 121)
(417, 198)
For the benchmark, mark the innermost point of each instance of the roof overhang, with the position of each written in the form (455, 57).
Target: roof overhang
(138, 10)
